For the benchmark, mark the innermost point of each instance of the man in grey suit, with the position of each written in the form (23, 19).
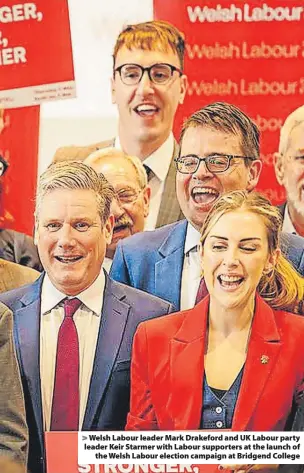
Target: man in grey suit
(74, 326)
(219, 153)
(148, 84)
(13, 430)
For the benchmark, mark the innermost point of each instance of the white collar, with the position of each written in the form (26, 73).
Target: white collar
(192, 239)
(158, 161)
(288, 226)
(92, 297)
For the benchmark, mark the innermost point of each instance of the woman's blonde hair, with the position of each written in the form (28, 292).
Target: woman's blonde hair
(282, 287)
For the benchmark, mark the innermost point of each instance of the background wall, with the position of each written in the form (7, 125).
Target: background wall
(91, 116)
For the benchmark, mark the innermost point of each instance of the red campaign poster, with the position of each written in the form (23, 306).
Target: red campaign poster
(19, 148)
(250, 54)
(61, 457)
(36, 62)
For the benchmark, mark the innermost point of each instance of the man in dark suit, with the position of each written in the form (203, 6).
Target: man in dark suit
(74, 326)
(219, 153)
(148, 84)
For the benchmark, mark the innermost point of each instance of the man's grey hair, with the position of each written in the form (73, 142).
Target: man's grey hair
(97, 156)
(75, 175)
(291, 122)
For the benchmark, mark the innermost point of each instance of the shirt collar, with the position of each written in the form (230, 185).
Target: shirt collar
(192, 239)
(92, 297)
(158, 161)
(288, 226)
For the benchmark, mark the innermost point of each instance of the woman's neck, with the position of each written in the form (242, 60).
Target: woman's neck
(234, 319)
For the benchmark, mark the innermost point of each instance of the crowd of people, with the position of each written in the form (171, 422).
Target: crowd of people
(166, 292)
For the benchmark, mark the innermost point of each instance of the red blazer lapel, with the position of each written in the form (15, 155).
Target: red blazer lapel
(187, 369)
(263, 349)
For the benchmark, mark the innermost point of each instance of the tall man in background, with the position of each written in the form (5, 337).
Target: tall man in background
(289, 168)
(130, 205)
(148, 84)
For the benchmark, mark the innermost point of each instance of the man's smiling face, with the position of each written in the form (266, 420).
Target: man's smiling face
(146, 110)
(197, 192)
(71, 239)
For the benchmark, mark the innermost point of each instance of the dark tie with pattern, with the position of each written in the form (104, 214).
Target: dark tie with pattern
(201, 292)
(65, 408)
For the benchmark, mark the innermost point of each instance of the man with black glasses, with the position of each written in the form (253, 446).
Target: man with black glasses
(219, 153)
(148, 84)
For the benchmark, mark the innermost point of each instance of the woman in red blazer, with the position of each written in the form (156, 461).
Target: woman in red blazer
(236, 360)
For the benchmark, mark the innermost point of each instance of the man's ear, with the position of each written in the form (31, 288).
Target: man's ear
(254, 174)
(279, 167)
(183, 88)
(108, 229)
(113, 90)
(147, 196)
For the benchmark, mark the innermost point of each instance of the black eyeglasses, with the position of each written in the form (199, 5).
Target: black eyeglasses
(131, 74)
(3, 165)
(215, 163)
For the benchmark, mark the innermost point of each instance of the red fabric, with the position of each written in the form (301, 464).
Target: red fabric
(201, 292)
(167, 371)
(65, 409)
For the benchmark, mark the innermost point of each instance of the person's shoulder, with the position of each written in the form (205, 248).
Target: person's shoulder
(166, 326)
(290, 325)
(13, 275)
(138, 299)
(13, 298)
(292, 240)
(151, 238)
(79, 153)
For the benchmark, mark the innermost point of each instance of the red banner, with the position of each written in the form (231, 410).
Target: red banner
(62, 453)
(36, 61)
(249, 54)
(19, 148)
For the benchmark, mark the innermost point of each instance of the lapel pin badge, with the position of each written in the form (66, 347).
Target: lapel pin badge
(264, 359)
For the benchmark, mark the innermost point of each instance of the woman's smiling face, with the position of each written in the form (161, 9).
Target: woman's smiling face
(235, 254)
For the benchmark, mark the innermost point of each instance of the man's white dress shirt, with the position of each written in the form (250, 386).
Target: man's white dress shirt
(287, 223)
(192, 268)
(87, 320)
(159, 162)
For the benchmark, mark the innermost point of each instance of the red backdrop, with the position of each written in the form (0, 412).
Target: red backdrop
(36, 65)
(232, 57)
(19, 147)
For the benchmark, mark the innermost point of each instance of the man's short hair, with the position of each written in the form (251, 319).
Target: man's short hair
(110, 152)
(291, 122)
(152, 36)
(227, 118)
(75, 175)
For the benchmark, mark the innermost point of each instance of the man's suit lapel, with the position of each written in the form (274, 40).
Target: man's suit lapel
(170, 211)
(187, 369)
(114, 318)
(168, 270)
(27, 331)
(263, 350)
